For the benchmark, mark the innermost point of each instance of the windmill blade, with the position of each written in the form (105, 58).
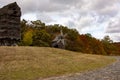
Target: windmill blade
(58, 40)
(61, 32)
(63, 41)
(65, 35)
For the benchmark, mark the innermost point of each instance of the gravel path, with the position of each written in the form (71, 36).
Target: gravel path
(111, 72)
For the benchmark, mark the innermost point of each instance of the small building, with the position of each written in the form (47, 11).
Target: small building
(10, 24)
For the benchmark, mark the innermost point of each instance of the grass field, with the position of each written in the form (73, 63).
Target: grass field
(32, 63)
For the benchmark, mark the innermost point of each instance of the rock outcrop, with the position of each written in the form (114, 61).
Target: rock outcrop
(10, 24)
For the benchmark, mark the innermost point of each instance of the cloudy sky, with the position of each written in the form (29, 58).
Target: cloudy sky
(97, 17)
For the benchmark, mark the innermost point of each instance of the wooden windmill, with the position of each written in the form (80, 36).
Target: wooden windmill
(59, 40)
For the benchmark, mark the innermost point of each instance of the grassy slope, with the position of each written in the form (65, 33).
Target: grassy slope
(31, 63)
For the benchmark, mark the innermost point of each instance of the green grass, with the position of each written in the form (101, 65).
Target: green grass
(32, 63)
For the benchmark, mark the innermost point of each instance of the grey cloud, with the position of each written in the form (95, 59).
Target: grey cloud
(69, 2)
(102, 7)
(109, 11)
(29, 6)
(41, 6)
(116, 38)
(44, 17)
(113, 27)
(101, 4)
(113, 30)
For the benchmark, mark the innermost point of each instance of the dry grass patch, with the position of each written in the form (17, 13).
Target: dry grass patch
(31, 63)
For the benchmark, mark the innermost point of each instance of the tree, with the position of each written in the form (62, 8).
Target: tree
(41, 38)
(88, 34)
(72, 34)
(23, 27)
(27, 39)
(38, 34)
(108, 46)
(38, 24)
(107, 39)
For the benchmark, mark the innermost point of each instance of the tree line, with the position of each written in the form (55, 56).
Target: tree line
(37, 33)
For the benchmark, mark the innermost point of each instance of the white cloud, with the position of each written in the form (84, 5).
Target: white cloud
(86, 21)
(29, 16)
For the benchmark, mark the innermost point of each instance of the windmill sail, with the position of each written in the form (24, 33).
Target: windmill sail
(59, 40)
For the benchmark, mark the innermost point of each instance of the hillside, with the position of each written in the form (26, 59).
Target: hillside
(32, 63)
(39, 34)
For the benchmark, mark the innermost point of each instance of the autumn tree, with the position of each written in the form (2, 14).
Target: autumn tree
(38, 33)
(108, 46)
(41, 38)
(27, 38)
(107, 39)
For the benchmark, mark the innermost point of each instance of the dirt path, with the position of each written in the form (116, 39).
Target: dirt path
(111, 72)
